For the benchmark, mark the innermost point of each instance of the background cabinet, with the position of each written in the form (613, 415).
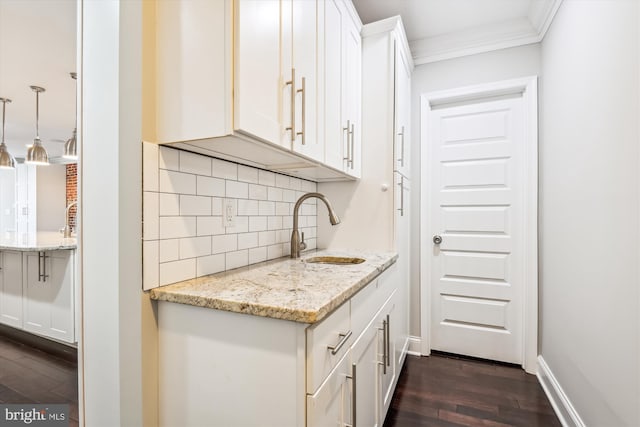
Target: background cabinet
(11, 288)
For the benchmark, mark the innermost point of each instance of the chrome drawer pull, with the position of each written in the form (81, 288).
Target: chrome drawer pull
(337, 347)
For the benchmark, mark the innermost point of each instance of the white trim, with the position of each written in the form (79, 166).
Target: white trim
(528, 86)
(517, 32)
(415, 346)
(565, 411)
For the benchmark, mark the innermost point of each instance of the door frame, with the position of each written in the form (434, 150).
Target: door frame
(528, 87)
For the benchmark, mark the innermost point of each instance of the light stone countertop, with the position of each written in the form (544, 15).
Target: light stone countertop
(40, 241)
(288, 289)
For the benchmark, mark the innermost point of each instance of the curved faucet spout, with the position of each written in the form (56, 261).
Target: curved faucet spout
(298, 244)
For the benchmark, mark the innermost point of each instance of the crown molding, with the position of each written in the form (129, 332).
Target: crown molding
(393, 24)
(486, 38)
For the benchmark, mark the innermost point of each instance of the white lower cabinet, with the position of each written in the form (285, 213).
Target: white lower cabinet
(340, 371)
(37, 293)
(11, 288)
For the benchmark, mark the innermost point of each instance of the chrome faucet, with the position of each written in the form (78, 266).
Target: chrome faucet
(298, 245)
(67, 229)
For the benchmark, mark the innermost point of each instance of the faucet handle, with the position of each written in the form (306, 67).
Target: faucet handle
(303, 245)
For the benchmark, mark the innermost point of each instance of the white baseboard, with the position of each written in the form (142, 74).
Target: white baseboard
(561, 404)
(415, 344)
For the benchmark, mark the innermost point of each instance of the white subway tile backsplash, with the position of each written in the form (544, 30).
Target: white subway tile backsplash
(224, 243)
(194, 247)
(177, 271)
(266, 208)
(195, 206)
(248, 207)
(150, 215)
(169, 204)
(241, 225)
(247, 240)
(150, 265)
(237, 259)
(257, 223)
(150, 160)
(184, 231)
(206, 186)
(266, 238)
(274, 223)
(247, 174)
(176, 182)
(216, 206)
(169, 158)
(282, 181)
(257, 255)
(274, 194)
(237, 190)
(169, 250)
(283, 208)
(209, 226)
(194, 163)
(172, 227)
(266, 178)
(210, 264)
(257, 192)
(224, 169)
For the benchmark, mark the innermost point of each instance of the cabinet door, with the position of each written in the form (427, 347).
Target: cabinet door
(352, 91)
(366, 361)
(335, 131)
(305, 31)
(386, 349)
(48, 294)
(402, 101)
(400, 327)
(330, 405)
(11, 288)
(260, 76)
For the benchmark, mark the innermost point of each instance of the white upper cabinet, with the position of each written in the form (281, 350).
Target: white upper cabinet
(244, 80)
(402, 102)
(342, 87)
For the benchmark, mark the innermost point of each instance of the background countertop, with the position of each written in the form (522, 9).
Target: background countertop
(41, 241)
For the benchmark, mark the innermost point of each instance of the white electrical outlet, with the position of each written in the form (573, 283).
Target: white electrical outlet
(229, 213)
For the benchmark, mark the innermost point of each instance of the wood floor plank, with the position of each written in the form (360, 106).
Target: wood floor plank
(467, 393)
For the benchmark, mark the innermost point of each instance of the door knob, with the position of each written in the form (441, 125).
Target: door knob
(437, 239)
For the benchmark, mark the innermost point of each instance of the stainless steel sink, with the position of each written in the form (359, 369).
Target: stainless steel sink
(336, 260)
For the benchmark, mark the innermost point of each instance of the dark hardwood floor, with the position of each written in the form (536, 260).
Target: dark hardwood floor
(30, 375)
(448, 391)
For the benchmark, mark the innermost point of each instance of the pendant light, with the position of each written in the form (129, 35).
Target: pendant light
(7, 161)
(36, 154)
(70, 147)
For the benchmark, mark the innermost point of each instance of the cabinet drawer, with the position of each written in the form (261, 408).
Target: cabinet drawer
(327, 342)
(366, 303)
(331, 404)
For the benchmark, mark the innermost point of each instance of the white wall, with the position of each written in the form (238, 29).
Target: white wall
(589, 210)
(482, 68)
(51, 189)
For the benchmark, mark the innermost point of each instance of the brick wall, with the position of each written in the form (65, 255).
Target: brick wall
(72, 192)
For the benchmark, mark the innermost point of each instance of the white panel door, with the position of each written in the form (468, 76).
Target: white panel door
(476, 199)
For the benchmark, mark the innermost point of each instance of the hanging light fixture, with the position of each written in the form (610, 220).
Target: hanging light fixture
(7, 161)
(70, 147)
(36, 154)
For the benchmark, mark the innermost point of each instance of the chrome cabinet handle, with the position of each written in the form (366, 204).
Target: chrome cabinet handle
(388, 341)
(352, 134)
(303, 91)
(401, 185)
(42, 267)
(336, 348)
(354, 405)
(292, 82)
(401, 159)
(346, 130)
(385, 336)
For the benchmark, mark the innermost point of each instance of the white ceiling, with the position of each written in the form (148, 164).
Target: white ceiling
(38, 47)
(444, 29)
